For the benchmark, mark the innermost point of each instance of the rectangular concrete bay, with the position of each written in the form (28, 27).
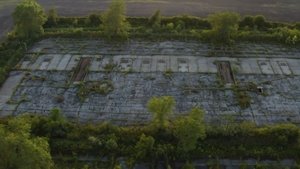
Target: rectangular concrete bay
(54, 61)
(64, 62)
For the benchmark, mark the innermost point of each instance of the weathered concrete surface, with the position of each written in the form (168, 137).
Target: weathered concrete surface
(141, 56)
(139, 74)
(8, 88)
(127, 103)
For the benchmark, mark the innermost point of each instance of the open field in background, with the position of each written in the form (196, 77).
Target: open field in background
(6, 8)
(279, 10)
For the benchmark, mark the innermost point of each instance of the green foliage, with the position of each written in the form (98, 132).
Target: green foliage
(288, 36)
(188, 130)
(170, 26)
(230, 140)
(102, 87)
(155, 20)
(18, 150)
(247, 22)
(55, 115)
(144, 147)
(242, 96)
(161, 108)
(29, 18)
(188, 165)
(168, 73)
(11, 51)
(187, 22)
(52, 18)
(260, 22)
(114, 21)
(94, 20)
(224, 26)
(109, 67)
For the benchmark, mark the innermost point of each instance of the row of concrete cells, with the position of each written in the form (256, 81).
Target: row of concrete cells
(144, 64)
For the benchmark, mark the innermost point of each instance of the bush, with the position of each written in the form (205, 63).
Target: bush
(242, 97)
(29, 17)
(224, 26)
(248, 21)
(155, 20)
(288, 36)
(114, 21)
(52, 18)
(188, 22)
(260, 22)
(94, 20)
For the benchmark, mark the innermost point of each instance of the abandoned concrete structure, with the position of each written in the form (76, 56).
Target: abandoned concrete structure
(54, 71)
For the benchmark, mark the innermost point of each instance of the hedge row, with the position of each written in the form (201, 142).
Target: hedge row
(235, 141)
(189, 22)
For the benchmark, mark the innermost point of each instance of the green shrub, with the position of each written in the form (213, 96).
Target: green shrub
(248, 21)
(155, 20)
(242, 97)
(94, 20)
(260, 22)
(52, 18)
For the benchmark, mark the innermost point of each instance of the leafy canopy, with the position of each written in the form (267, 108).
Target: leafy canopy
(190, 129)
(114, 20)
(155, 20)
(224, 26)
(29, 18)
(161, 108)
(18, 150)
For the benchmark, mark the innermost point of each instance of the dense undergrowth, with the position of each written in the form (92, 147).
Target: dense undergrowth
(251, 28)
(103, 143)
(11, 52)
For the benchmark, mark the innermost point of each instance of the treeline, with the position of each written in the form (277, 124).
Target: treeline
(165, 140)
(258, 22)
(249, 28)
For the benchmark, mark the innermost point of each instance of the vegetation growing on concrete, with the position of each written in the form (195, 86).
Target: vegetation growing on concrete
(102, 87)
(164, 140)
(242, 96)
(168, 73)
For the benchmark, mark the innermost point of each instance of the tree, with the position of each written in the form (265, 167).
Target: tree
(56, 126)
(224, 26)
(94, 20)
(155, 20)
(52, 17)
(144, 147)
(19, 150)
(260, 22)
(248, 22)
(161, 109)
(114, 20)
(188, 130)
(29, 18)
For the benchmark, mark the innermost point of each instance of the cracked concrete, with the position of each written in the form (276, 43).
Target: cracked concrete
(140, 75)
